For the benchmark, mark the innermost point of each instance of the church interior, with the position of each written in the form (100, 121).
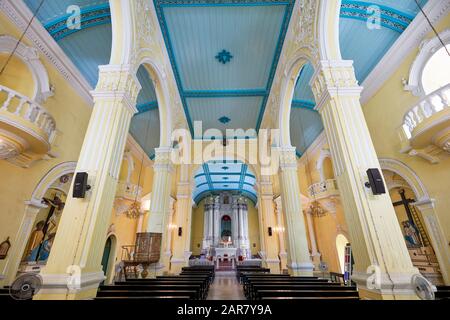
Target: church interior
(224, 149)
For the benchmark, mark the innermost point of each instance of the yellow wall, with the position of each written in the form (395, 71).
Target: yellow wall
(253, 228)
(198, 214)
(384, 115)
(124, 228)
(17, 184)
(17, 76)
(328, 227)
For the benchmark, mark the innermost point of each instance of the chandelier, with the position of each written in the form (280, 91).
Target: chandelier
(134, 211)
(316, 210)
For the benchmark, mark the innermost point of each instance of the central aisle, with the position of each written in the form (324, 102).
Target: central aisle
(226, 287)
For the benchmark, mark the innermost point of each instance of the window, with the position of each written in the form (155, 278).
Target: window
(436, 73)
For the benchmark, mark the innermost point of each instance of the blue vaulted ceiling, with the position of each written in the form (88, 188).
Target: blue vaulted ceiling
(224, 175)
(365, 46)
(89, 47)
(224, 55)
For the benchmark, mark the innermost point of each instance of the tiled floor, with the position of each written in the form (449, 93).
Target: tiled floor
(226, 287)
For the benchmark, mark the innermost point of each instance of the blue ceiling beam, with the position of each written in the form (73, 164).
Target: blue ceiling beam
(148, 106)
(303, 104)
(224, 93)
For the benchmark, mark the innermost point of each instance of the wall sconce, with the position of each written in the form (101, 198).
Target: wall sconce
(279, 229)
(145, 205)
(180, 231)
(270, 231)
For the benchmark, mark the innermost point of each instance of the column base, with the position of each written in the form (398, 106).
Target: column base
(283, 260)
(165, 261)
(70, 287)
(304, 269)
(273, 265)
(385, 286)
(177, 264)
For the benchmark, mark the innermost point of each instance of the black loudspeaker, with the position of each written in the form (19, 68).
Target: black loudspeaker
(270, 231)
(375, 182)
(80, 185)
(180, 231)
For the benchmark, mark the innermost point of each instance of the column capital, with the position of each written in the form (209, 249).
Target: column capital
(288, 158)
(118, 82)
(163, 161)
(334, 78)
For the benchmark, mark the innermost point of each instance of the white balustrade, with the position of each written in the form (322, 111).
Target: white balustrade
(323, 189)
(27, 109)
(128, 191)
(425, 108)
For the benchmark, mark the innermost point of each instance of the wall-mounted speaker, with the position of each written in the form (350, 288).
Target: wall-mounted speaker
(80, 185)
(180, 231)
(375, 182)
(270, 231)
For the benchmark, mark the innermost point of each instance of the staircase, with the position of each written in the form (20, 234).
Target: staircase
(425, 260)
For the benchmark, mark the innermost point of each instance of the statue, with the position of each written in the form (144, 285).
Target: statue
(36, 238)
(411, 235)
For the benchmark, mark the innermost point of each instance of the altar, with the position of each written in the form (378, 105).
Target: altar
(226, 252)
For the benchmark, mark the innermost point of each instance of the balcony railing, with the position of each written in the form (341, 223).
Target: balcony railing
(128, 191)
(427, 107)
(18, 105)
(323, 189)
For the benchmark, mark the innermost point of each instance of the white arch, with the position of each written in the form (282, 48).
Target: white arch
(408, 175)
(291, 73)
(30, 57)
(159, 79)
(328, 25)
(324, 154)
(427, 48)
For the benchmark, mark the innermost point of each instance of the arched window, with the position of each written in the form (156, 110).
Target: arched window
(429, 71)
(436, 72)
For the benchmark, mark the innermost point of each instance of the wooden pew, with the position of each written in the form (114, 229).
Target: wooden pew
(257, 288)
(308, 294)
(156, 287)
(203, 284)
(143, 294)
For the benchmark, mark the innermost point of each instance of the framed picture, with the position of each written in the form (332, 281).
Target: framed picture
(4, 248)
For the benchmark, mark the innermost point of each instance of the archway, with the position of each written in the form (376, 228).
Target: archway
(225, 228)
(341, 242)
(109, 258)
(412, 224)
(55, 179)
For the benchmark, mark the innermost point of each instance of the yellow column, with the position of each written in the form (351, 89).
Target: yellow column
(160, 206)
(281, 229)
(268, 220)
(299, 262)
(74, 269)
(383, 266)
(183, 216)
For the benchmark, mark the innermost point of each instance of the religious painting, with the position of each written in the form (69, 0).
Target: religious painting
(226, 228)
(411, 235)
(44, 232)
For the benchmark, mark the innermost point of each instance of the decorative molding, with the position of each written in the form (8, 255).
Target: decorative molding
(30, 57)
(19, 13)
(407, 174)
(405, 44)
(224, 56)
